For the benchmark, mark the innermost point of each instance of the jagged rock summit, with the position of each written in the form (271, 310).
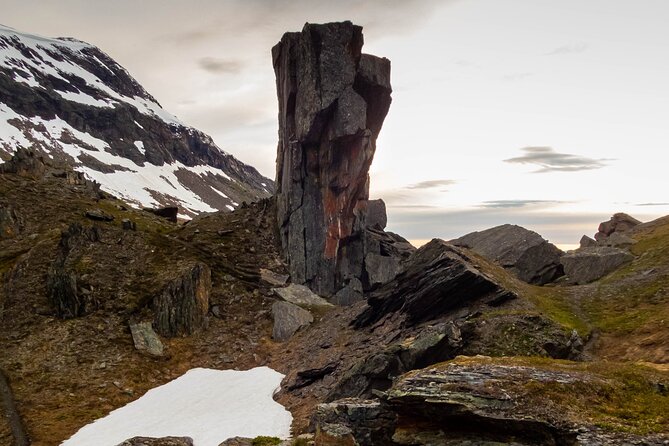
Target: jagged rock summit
(523, 252)
(332, 102)
(69, 101)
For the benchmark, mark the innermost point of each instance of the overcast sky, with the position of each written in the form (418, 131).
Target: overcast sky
(549, 114)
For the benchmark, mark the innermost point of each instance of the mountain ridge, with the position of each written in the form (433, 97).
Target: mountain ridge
(72, 102)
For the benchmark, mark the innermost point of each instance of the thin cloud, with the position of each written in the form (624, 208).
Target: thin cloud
(520, 203)
(571, 48)
(551, 161)
(431, 184)
(220, 66)
(652, 204)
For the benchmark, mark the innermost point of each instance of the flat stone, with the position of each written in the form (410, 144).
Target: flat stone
(301, 296)
(273, 279)
(164, 441)
(98, 215)
(146, 340)
(288, 319)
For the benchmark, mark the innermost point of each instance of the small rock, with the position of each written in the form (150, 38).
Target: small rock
(350, 294)
(302, 296)
(170, 212)
(273, 279)
(288, 319)
(146, 340)
(98, 215)
(164, 441)
(587, 242)
(128, 225)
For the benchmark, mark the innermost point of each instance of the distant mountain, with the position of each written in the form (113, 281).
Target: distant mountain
(71, 101)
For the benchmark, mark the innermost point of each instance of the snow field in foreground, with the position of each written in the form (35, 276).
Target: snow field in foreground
(207, 405)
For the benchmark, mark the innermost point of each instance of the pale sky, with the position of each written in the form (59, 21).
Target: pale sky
(549, 114)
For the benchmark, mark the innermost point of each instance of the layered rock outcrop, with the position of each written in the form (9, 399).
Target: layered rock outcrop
(332, 102)
(620, 222)
(438, 278)
(181, 309)
(523, 252)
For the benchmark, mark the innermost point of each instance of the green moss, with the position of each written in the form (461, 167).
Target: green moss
(265, 441)
(616, 396)
(557, 304)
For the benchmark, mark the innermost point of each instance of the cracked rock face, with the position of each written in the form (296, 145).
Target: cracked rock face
(332, 103)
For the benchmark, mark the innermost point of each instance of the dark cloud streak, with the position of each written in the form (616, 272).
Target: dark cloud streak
(220, 66)
(551, 161)
(431, 184)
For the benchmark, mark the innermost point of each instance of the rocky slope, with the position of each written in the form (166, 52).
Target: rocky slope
(100, 302)
(70, 101)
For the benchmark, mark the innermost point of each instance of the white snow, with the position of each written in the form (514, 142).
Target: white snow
(85, 99)
(232, 208)
(219, 192)
(10, 136)
(207, 405)
(42, 61)
(140, 147)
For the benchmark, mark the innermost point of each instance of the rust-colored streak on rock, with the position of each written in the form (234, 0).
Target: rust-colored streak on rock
(332, 102)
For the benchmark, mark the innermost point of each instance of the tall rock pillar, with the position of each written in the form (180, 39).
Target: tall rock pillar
(332, 103)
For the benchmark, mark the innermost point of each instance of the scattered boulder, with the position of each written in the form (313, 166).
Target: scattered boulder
(301, 296)
(438, 278)
(523, 252)
(350, 294)
(128, 225)
(620, 222)
(181, 309)
(376, 372)
(146, 340)
(366, 422)
(618, 240)
(11, 223)
(288, 319)
(165, 441)
(69, 298)
(98, 215)
(273, 279)
(169, 212)
(25, 163)
(589, 264)
(381, 269)
(376, 216)
(63, 293)
(587, 242)
(332, 103)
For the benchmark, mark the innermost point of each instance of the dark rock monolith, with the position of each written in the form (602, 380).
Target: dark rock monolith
(332, 102)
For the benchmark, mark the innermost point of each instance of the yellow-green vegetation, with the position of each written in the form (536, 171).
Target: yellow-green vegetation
(625, 397)
(265, 441)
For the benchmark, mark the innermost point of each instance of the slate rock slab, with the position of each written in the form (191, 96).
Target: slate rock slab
(589, 264)
(301, 296)
(288, 319)
(146, 340)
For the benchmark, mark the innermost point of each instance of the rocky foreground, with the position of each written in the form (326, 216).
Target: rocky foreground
(490, 339)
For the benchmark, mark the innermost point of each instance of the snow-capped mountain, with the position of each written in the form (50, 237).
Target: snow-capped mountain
(72, 102)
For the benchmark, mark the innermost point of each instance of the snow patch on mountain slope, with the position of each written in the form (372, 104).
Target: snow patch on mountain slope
(133, 182)
(207, 405)
(50, 57)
